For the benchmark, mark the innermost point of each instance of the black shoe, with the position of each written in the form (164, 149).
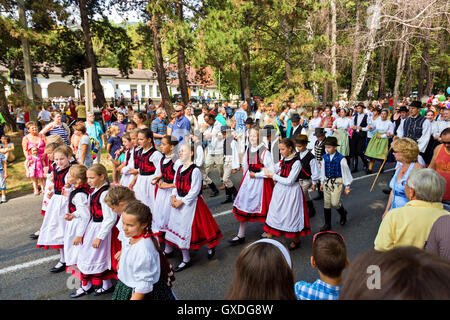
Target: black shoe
(33, 236)
(214, 189)
(237, 241)
(60, 269)
(295, 246)
(186, 265)
(101, 291)
(343, 214)
(369, 171)
(386, 191)
(84, 293)
(325, 227)
(228, 199)
(212, 254)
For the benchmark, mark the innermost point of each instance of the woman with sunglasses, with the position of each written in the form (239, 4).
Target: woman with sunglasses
(406, 152)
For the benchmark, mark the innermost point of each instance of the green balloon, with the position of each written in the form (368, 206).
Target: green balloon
(441, 97)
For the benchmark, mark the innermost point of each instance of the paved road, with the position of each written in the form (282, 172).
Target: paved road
(24, 272)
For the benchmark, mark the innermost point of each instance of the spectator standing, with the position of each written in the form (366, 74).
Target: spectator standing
(57, 127)
(438, 241)
(83, 151)
(159, 127)
(180, 126)
(121, 124)
(95, 131)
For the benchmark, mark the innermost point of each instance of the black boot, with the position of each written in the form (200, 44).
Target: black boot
(228, 199)
(327, 216)
(365, 164)
(214, 189)
(233, 192)
(311, 209)
(355, 165)
(343, 214)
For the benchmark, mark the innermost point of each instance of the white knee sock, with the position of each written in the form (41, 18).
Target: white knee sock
(242, 227)
(168, 249)
(106, 284)
(62, 259)
(186, 255)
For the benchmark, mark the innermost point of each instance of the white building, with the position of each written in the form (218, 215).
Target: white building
(142, 82)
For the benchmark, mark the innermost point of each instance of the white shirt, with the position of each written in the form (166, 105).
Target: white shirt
(45, 116)
(347, 178)
(439, 126)
(291, 178)
(342, 123)
(139, 265)
(424, 139)
(82, 214)
(109, 216)
(359, 119)
(380, 126)
(215, 146)
(196, 185)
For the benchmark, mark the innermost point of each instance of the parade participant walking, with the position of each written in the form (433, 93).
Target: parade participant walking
(95, 254)
(254, 195)
(313, 124)
(327, 121)
(288, 214)
(378, 147)
(78, 215)
(310, 171)
(214, 151)
(340, 127)
(191, 224)
(406, 152)
(51, 234)
(358, 141)
(141, 275)
(319, 151)
(230, 164)
(335, 176)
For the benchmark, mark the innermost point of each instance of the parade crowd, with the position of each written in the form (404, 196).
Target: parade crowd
(117, 235)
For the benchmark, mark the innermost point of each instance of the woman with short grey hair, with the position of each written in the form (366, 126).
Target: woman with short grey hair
(427, 184)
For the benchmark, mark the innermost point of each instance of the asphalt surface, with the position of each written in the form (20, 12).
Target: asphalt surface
(24, 275)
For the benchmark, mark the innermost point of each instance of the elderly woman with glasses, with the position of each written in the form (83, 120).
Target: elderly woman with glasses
(406, 152)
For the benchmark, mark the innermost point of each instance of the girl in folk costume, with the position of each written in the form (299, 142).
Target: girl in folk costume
(340, 127)
(254, 195)
(144, 272)
(48, 171)
(78, 215)
(149, 168)
(378, 147)
(191, 224)
(52, 229)
(133, 165)
(94, 258)
(327, 121)
(165, 183)
(128, 164)
(288, 214)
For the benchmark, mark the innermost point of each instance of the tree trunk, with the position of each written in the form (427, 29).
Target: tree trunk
(407, 88)
(430, 82)
(287, 52)
(246, 63)
(314, 86)
(423, 70)
(96, 85)
(159, 65)
(382, 82)
(334, 87)
(181, 61)
(10, 120)
(399, 72)
(355, 58)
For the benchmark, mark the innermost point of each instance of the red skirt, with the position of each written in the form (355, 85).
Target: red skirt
(242, 216)
(306, 226)
(95, 279)
(205, 230)
(116, 246)
(58, 246)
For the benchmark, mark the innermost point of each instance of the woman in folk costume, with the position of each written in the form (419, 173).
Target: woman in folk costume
(52, 230)
(340, 127)
(288, 213)
(313, 124)
(95, 256)
(254, 195)
(165, 183)
(191, 224)
(378, 147)
(78, 215)
(149, 168)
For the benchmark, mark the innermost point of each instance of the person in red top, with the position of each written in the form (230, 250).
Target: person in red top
(106, 116)
(441, 161)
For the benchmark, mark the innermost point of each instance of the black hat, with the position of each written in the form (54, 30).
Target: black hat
(416, 104)
(403, 108)
(301, 139)
(269, 129)
(331, 141)
(224, 128)
(319, 132)
(249, 121)
(295, 117)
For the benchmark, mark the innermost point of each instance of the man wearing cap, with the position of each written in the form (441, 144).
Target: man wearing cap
(248, 124)
(310, 171)
(296, 127)
(230, 164)
(416, 127)
(335, 176)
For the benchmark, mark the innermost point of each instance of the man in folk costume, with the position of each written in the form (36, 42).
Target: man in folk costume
(416, 127)
(214, 151)
(335, 176)
(230, 164)
(271, 141)
(310, 171)
(296, 126)
(318, 152)
(359, 137)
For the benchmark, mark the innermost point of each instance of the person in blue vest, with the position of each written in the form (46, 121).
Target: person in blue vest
(335, 176)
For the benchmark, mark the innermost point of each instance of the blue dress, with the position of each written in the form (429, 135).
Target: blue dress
(399, 197)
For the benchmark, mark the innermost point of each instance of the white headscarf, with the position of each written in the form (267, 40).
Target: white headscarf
(280, 246)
